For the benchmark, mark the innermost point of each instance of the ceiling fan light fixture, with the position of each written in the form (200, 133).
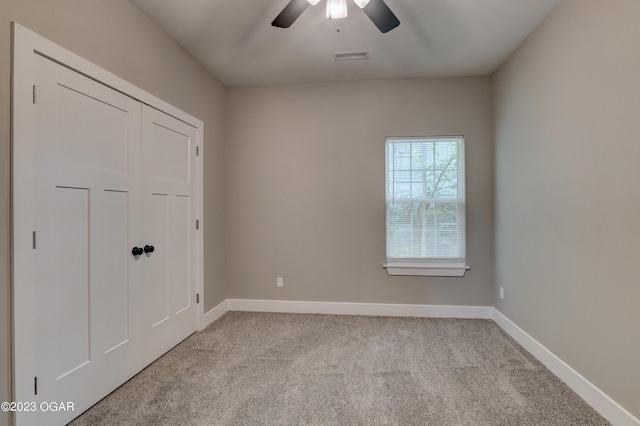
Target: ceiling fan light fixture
(378, 12)
(336, 9)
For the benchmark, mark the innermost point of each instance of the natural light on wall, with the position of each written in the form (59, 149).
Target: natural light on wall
(425, 200)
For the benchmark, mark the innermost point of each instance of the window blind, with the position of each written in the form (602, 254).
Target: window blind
(425, 199)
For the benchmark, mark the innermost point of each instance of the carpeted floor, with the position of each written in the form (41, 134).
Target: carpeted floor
(292, 369)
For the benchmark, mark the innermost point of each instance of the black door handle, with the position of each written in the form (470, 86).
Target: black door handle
(149, 249)
(137, 251)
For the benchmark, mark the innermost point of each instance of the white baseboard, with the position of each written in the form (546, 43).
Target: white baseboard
(602, 403)
(348, 308)
(215, 313)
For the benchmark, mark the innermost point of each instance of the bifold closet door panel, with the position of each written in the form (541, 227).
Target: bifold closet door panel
(169, 225)
(89, 299)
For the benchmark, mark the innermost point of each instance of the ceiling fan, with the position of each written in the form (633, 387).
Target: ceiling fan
(376, 10)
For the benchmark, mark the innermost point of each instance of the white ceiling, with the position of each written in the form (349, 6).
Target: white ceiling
(234, 39)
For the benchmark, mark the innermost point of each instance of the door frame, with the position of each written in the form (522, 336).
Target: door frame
(26, 43)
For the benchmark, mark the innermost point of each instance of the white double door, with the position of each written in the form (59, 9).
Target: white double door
(112, 174)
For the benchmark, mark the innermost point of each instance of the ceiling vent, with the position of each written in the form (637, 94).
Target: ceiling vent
(347, 56)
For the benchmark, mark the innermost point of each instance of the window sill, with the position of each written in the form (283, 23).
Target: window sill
(426, 270)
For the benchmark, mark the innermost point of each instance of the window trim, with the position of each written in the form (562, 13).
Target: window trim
(426, 269)
(455, 267)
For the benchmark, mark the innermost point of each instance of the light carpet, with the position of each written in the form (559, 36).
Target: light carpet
(295, 369)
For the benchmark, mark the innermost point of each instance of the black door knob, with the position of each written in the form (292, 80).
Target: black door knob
(137, 251)
(149, 249)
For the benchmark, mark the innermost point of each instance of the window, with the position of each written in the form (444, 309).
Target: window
(425, 206)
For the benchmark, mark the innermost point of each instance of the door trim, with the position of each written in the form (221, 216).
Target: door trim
(25, 44)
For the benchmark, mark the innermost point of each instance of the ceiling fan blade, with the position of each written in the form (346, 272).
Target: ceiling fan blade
(290, 13)
(381, 15)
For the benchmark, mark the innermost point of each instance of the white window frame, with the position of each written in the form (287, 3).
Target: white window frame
(455, 267)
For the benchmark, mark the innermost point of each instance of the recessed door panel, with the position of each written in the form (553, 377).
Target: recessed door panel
(111, 270)
(156, 283)
(72, 279)
(169, 158)
(92, 132)
(179, 268)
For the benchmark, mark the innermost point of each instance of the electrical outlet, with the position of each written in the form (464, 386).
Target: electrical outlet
(279, 282)
(501, 292)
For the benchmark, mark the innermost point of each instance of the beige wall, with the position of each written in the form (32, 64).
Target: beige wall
(567, 115)
(305, 194)
(116, 36)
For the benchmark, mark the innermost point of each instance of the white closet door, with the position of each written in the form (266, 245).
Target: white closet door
(169, 223)
(88, 314)
(88, 197)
